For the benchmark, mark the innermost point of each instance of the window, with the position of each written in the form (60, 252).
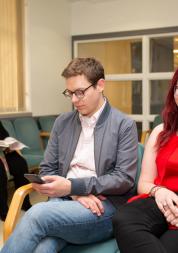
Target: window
(125, 95)
(163, 54)
(138, 68)
(117, 56)
(11, 56)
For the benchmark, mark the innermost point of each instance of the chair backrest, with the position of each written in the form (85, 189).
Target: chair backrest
(7, 124)
(28, 132)
(46, 123)
(139, 161)
(157, 120)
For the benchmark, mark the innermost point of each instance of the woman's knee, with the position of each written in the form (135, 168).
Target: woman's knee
(121, 216)
(125, 220)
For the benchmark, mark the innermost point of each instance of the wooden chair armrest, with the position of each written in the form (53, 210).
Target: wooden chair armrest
(14, 209)
(144, 136)
(44, 134)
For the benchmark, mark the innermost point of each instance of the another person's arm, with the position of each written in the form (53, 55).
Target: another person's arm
(163, 196)
(149, 169)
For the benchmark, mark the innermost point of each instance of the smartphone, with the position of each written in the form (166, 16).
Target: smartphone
(34, 178)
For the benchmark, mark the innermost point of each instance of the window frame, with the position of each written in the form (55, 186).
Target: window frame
(146, 76)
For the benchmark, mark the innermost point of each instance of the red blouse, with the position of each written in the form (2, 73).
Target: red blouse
(167, 165)
(167, 168)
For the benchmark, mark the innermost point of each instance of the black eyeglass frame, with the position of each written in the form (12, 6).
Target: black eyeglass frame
(79, 93)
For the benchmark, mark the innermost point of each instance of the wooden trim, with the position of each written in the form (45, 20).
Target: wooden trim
(14, 209)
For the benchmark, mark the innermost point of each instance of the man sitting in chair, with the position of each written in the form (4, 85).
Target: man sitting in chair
(90, 158)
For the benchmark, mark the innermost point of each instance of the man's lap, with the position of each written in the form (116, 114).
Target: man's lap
(71, 221)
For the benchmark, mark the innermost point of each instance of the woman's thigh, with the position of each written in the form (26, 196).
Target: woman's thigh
(170, 241)
(138, 225)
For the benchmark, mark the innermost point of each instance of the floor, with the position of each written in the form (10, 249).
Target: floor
(34, 198)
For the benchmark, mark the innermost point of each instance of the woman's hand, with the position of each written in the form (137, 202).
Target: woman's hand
(92, 202)
(170, 217)
(167, 200)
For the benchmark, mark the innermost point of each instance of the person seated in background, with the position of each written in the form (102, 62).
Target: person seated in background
(149, 222)
(90, 157)
(17, 166)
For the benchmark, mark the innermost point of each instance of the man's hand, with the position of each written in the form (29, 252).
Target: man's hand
(55, 186)
(92, 202)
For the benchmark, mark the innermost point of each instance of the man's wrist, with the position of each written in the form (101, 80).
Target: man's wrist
(68, 187)
(77, 186)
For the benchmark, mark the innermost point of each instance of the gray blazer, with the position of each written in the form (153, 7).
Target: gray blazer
(115, 151)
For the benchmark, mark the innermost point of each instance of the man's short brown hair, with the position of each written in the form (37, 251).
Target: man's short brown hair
(91, 68)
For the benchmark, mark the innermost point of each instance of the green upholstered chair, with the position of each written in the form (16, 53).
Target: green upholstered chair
(145, 134)
(7, 124)
(107, 246)
(27, 132)
(46, 123)
(157, 120)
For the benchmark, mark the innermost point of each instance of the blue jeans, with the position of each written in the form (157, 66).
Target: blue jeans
(48, 226)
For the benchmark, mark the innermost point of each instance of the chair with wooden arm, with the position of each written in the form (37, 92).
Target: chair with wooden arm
(14, 209)
(106, 246)
(144, 136)
(46, 124)
(14, 214)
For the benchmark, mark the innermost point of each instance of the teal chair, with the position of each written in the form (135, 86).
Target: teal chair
(108, 246)
(145, 134)
(46, 124)
(157, 120)
(27, 132)
(7, 124)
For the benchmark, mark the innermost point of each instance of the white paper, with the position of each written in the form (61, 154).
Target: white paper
(12, 144)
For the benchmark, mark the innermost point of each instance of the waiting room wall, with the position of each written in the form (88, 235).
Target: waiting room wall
(103, 16)
(48, 50)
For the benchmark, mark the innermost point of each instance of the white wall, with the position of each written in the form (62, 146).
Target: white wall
(102, 16)
(50, 24)
(48, 50)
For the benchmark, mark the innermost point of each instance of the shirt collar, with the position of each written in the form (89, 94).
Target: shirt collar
(91, 121)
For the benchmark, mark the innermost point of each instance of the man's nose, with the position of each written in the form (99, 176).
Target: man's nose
(74, 98)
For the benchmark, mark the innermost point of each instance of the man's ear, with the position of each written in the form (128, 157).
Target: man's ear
(100, 85)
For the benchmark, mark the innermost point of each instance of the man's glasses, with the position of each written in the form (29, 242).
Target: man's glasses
(80, 93)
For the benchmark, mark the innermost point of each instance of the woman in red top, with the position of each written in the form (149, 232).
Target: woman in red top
(150, 222)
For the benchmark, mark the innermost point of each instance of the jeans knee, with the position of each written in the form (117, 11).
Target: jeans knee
(36, 212)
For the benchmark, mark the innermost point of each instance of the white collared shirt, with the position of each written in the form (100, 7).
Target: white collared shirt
(83, 162)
